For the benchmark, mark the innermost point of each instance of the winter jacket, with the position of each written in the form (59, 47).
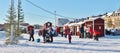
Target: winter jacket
(67, 30)
(52, 32)
(32, 32)
(44, 32)
(57, 29)
(93, 32)
(82, 29)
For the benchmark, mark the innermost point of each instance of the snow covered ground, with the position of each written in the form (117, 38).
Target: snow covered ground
(108, 44)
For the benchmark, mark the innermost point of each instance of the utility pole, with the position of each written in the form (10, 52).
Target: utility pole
(55, 19)
(11, 22)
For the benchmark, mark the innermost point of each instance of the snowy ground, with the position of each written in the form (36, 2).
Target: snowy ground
(108, 44)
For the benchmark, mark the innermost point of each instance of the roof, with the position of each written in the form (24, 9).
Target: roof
(72, 24)
(92, 19)
(66, 24)
(109, 14)
(79, 23)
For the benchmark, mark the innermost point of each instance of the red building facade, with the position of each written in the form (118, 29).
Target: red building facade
(97, 24)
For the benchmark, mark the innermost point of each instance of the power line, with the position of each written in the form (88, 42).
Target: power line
(45, 9)
(41, 16)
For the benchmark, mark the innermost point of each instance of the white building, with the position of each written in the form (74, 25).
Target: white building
(61, 21)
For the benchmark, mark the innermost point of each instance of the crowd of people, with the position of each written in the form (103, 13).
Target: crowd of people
(48, 33)
(89, 33)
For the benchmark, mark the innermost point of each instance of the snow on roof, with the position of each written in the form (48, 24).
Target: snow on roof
(92, 19)
(109, 14)
(66, 24)
(79, 23)
(72, 24)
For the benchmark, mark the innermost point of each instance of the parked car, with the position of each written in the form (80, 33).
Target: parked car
(115, 31)
(108, 32)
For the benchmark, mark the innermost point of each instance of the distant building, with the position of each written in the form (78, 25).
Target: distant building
(36, 26)
(24, 25)
(78, 20)
(112, 20)
(2, 27)
(61, 21)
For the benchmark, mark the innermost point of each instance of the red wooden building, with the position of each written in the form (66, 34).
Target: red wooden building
(97, 24)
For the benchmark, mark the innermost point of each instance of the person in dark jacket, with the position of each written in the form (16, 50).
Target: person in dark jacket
(31, 34)
(52, 33)
(65, 34)
(81, 32)
(44, 35)
(69, 37)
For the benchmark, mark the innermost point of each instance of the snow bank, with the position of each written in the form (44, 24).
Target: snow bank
(2, 35)
(108, 44)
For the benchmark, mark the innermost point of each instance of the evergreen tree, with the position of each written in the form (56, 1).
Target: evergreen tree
(11, 25)
(20, 18)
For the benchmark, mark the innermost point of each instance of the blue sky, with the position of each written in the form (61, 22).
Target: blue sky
(68, 8)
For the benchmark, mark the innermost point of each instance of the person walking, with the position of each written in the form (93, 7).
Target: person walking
(31, 34)
(67, 31)
(69, 37)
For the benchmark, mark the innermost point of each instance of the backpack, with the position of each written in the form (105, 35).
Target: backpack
(52, 32)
